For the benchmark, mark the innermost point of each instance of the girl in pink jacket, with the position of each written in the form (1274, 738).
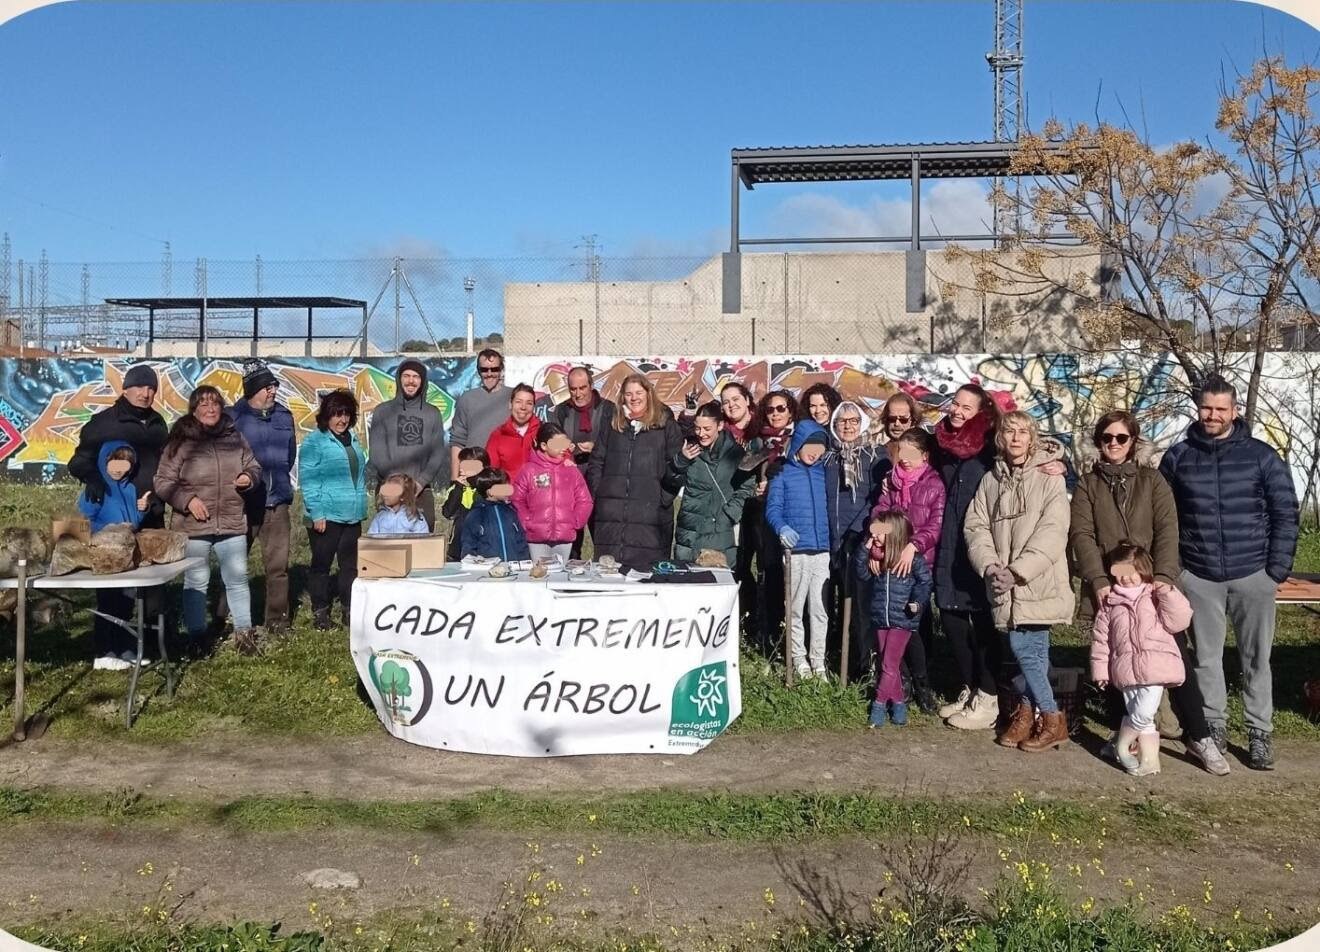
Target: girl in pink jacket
(550, 495)
(1134, 649)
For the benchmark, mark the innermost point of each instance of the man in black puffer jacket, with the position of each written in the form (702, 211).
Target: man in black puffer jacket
(1237, 532)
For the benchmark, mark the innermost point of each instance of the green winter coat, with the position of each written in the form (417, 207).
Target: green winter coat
(714, 493)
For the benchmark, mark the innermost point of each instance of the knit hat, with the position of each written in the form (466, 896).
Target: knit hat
(141, 375)
(818, 438)
(256, 377)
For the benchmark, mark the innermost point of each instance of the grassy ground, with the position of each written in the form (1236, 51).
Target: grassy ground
(307, 684)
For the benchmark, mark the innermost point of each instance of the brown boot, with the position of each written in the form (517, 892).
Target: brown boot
(1019, 725)
(1051, 731)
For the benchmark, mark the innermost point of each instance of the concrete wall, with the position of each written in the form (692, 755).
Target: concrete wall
(852, 302)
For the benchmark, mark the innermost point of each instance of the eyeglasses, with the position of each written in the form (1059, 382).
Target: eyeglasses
(898, 419)
(1119, 438)
(490, 371)
(849, 421)
(777, 408)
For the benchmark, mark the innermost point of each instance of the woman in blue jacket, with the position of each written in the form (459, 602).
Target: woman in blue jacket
(332, 473)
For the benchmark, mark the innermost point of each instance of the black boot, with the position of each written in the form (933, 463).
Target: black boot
(321, 619)
(925, 697)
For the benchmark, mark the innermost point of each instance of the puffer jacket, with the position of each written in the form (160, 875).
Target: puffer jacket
(848, 506)
(492, 530)
(1148, 517)
(715, 491)
(328, 488)
(508, 449)
(925, 509)
(887, 595)
(205, 466)
(120, 501)
(796, 497)
(1237, 508)
(142, 429)
(1133, 643)
(551, 498)
(958, 586)
(274, 442)
(634, 515)
(1019, 519)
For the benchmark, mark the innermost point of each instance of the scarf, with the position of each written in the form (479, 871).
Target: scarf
(584, 413)
(903, 480)
(965, 443)
(850, 465)
(739, 433)
(1117, 476)
(775, 439)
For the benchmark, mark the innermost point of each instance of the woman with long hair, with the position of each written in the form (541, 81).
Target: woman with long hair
(818, 402)
(206, 470)
(634, 510)
(715, 488)
(770, 430)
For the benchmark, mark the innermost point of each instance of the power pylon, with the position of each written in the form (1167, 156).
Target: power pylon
(1006, 66)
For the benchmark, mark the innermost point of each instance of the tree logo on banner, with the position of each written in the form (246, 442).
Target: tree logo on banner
(403, 684)
(700, 705)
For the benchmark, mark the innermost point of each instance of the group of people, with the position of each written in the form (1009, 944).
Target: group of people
(868, 525)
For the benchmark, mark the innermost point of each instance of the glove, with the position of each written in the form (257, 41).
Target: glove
(95, 490)
(788, 538)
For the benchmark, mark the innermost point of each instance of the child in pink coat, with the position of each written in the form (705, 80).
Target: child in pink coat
(550, 495)
(1133, 648)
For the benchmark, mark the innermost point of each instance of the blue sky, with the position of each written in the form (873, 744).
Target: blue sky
(504, 129)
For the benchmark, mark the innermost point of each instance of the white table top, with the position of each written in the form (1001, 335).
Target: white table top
(145, 576)
(478, 573)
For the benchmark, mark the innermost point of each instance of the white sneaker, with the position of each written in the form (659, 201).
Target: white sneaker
(111, 662)
(130, 659)
(1208, 754)
(952, 708)
(803, 672)
(820, 674)
(980, 714)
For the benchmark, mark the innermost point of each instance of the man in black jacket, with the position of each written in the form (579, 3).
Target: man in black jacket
(580, 416)
(129, 418)
(1237, 532)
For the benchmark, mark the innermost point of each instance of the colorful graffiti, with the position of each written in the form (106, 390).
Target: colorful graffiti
(44, 402)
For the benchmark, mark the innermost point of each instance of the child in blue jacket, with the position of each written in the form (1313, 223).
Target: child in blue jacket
(795, 509)
(894, 606)
(117, 463)
(491, 528)
(398, 513)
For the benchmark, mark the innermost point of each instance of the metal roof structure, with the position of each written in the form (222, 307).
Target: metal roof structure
(868, 163)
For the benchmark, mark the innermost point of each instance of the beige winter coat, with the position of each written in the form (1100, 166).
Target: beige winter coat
(1019, 519)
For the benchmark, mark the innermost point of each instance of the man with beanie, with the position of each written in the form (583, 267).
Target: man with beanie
(407, 435)
(480, 410)
(131, 419)
(268, 428)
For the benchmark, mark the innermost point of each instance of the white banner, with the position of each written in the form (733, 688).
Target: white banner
(539, 669)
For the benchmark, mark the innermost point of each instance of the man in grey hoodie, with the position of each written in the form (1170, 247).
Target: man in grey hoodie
(407, 435)
(480, 410)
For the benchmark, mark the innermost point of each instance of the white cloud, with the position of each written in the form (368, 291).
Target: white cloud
(948, 207)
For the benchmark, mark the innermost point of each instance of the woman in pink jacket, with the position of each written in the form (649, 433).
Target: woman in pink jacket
(550, 495)
(1134, 650)
(914, 488)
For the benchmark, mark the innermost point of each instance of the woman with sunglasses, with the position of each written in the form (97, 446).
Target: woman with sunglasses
(1123, 499)
(770, 430)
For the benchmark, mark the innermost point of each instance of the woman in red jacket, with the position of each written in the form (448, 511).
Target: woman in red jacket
(512, 442)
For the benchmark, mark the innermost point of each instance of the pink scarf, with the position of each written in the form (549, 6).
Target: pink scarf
(903, 480)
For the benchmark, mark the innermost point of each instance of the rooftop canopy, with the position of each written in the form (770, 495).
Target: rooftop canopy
(245, 303)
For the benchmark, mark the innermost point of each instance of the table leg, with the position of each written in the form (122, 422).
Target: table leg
(164, 656)
(20, 654)
(139, 630)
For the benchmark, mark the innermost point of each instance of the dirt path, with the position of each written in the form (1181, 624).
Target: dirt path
(927, 759)
(53, 873)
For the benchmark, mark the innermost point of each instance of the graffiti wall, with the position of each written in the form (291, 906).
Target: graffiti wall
(44, 402)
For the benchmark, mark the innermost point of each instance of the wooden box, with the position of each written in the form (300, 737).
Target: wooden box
(378, 559)
(428, 551)
(75, 526)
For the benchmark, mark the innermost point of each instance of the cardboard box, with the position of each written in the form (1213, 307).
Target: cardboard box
(428, 551)
(377, 559)
(75, 526)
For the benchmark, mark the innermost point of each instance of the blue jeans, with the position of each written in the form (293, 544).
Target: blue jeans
(232, 553)
(1031, 647)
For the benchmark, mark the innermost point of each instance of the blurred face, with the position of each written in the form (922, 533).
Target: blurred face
(635, 400)
(848, 426)
(118, 468)
(1125, 573)
(965, 406)
(777, 412)
(898, 418)
(411, 381)
(1017, 442)
(390, 494)
(339, 423)
(818, 408)
(140, 397)
(557, 446)
(706, 430)
(579, 388)
(469, 467)
(520, 407)
(878, 533)
(909, 457)
(735, 406)
(811, 453)
(491, 371)
(264, 398)
(208, 411)
(1216, 413)
(1115, 443)
(500, 491)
